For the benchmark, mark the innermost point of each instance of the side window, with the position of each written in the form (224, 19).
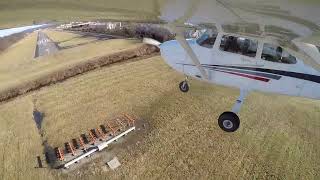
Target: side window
(277, 54)
(207, 39)
(239, 45)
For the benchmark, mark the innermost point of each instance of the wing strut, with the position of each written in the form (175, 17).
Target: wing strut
(183, 42)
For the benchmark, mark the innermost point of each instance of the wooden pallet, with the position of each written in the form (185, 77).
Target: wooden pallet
(111, 128)
(59, 154)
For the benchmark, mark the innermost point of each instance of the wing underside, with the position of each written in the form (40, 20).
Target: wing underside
(292, 23)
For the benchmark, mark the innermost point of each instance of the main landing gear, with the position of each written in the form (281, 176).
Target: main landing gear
(228, 121)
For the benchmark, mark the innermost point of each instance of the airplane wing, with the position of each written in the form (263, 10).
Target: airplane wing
(293, 23)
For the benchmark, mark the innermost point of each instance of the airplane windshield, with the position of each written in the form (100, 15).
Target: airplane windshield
(207, 39)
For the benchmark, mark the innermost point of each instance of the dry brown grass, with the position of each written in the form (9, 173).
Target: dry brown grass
(17, 64)
(7, 41)
(278, 138)
(20, 142)
(20, 73)
(25, 12)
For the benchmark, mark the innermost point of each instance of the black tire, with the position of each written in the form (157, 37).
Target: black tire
(229, 121)
(184, 86)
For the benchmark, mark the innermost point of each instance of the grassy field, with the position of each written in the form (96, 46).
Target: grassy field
(20, 142)
(24, 12)
(278, 137)
(24, 68)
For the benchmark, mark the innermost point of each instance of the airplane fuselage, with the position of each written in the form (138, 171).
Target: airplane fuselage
(250, 71)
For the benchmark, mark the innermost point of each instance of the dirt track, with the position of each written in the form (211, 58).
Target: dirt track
(58, 76)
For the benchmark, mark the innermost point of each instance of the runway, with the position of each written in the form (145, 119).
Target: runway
(45, 45)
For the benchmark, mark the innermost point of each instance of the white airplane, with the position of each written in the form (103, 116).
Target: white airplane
(243, 62)
(267, 60)
(269, 46)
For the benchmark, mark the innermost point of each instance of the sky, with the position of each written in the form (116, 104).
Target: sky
(8, 32)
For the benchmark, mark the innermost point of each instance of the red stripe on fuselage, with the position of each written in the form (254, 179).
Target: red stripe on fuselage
(246, 75)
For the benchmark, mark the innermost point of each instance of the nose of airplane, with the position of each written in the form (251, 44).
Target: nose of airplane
(172, 53)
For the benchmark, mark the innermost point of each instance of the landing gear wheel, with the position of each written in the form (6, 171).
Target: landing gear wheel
(229, 121)
(184, 86)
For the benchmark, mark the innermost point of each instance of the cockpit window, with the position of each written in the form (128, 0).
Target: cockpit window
(277, 54)
(239, 45)
(207, 39)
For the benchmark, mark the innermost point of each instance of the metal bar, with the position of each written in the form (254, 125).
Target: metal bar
(105, 144)
(185, 45)
(237, 106)
(79, 158)
(97, 148)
